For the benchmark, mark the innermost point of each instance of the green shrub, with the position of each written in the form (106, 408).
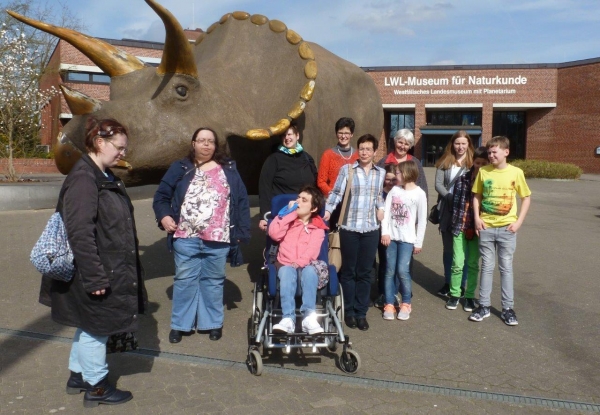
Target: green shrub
(541, 169)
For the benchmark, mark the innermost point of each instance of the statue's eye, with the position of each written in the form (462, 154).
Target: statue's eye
(181, 90)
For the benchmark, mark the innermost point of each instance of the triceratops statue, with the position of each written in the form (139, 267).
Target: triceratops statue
(247, 77)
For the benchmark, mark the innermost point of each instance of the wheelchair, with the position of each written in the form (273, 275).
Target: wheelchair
(266, 312)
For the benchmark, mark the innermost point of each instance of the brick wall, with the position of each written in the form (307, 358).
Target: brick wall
(540, 88)
(30, 166)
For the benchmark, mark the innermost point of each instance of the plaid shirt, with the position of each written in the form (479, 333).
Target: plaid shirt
(365, 197)
(462, 211)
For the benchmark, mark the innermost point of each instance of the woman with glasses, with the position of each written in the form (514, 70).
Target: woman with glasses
(404, 140)
(202, 203)
(286, 171)
(334, 158)
(359, 234)
(106, 294)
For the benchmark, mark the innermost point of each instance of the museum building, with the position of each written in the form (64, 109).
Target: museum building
(549, 111)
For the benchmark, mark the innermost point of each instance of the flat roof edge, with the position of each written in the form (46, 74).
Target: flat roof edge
(480, 67)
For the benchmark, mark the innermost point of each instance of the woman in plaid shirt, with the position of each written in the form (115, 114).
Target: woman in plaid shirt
(465, 241)
(359, 234)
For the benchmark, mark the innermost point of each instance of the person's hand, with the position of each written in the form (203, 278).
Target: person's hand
(99, 292)
(385, 240)
(168, 224)
(514, 227)
(263, 225)
(380, 213)
(416, 250)
(479, 225)
(326, 216)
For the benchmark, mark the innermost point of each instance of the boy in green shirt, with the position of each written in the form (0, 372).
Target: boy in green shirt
(496, 224)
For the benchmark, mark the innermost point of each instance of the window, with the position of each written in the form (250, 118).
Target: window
(93, 78)
(100, 79)
(453, 117)
(512, 125)
(78, 77)
(395, 121)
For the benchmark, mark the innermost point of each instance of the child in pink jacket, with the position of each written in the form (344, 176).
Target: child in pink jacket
(300, 235)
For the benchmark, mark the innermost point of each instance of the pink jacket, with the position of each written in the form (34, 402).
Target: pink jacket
(297, 243)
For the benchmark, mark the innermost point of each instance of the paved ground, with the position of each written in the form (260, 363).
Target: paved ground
(466, 367)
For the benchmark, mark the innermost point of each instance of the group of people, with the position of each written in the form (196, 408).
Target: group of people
(477, 203)
(203, 206)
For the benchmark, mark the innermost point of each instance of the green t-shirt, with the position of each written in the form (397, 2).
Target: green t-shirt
(499, 188)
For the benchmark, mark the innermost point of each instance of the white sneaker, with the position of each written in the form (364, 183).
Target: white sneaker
(310, 325)
(286, 325)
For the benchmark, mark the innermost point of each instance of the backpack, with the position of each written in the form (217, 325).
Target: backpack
(52, 254)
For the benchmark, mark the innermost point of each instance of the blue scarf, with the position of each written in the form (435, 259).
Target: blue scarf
(291, 151)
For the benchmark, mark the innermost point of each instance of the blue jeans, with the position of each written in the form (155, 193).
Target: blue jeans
(88, 356)
(198, 284)
(397, 273)
(288, 286)
(504, 243)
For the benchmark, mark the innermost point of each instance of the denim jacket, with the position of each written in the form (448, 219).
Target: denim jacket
(172, 189)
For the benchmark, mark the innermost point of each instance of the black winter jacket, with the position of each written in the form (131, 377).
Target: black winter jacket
(284, 173)
(98, 217)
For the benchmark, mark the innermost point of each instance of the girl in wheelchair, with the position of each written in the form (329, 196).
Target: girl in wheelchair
(299, 231)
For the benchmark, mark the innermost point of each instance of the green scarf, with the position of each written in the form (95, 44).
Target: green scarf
(296, 150)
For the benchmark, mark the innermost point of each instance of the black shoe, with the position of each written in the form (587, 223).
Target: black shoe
(105, 393)
(215, 334)
(76, 385)
(444, 291)
(452, 303)
(350, 322)
(362, 324)
(175, 336)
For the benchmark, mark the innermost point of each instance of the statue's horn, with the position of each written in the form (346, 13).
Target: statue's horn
(177, 54)
(65, 154)
(110, 59)
(79, 103)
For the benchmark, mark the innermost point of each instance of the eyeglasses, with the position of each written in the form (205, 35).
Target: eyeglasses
(209, 142)
(110, 132)
(122, 150)
(365, 150)
(344, 134)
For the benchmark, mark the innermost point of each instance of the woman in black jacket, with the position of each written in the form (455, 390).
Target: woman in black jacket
(106, 294)
(287, 170)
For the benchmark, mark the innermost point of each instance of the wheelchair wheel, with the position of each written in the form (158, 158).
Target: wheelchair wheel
(349, 361)
(255, 315)
(255, 363)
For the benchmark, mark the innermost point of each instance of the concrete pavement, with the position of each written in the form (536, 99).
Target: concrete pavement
(461, 366)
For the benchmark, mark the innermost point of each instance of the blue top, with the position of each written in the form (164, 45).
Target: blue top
(172, 189)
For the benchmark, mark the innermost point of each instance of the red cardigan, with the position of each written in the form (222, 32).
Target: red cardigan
(331, 163)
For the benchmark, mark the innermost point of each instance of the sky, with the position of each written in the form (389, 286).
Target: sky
(383, 32)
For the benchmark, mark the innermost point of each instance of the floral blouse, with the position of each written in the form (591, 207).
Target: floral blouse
(205, 208)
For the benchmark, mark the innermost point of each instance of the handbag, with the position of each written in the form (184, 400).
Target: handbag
(322, 272)
(334, 255)
(52, 254)
(434, 213)
(121, 342)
